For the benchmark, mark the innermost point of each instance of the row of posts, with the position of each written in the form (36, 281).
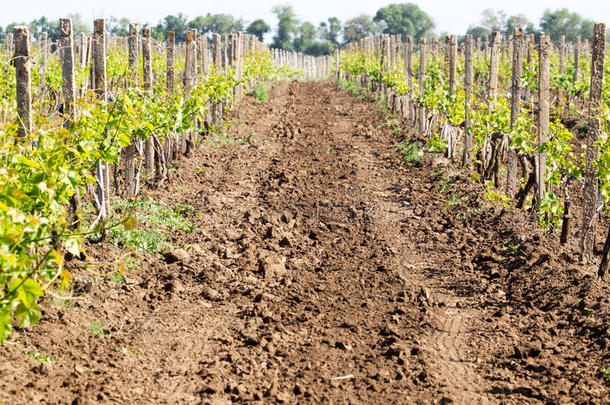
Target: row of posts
(388, 50)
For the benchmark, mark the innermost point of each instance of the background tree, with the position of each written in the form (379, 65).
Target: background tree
(359, 27)
(562, 21)
(405, 19)
(478, 31)
(494, 20)
(117, 26)
(259, 28)
(37, 27)
(330, 30)
(176, 23)
(287, 27)
(306, 37)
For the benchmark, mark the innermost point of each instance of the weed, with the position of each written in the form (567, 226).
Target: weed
(247, 138)
(260, 91)
(495, 197)
(97, 328)
(447, 183)
(471, 212)
(453, 200)
(126, 350)
(435, 144)
(218, 137)
(117, 278)
(41, 357)
(329, 149)
(606, 373)
(153, 214)
(411, 152)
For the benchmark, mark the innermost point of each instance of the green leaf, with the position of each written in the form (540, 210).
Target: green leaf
(73, 245)
(28, 316)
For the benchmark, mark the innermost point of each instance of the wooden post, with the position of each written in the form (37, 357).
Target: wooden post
(562, 52)
(188, 66)
(409, 74)
(576, 70)
(515, 109)
(66, 45)
(590, 203)
(544, 50)
(453, 55)
(99, 58)
(132, 45)
(493, 68)
(83, 50)
(99, 85)
(447, 52)
(44, 50)
(146, 60)
(171, 57)
(422, 74)
(21, 37)
(468, 79)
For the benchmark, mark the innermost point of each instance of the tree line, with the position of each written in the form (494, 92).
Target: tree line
(292, 34)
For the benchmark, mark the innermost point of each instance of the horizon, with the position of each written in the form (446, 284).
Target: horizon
(454, 19)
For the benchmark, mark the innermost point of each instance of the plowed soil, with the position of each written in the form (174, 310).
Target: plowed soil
(324, 269)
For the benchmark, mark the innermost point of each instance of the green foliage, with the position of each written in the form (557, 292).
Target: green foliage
(259, 93)
(259, 28)
(40, 357)
(97, 328)
(410, 152)
(405, 19)
(40, 173)
(155, 222)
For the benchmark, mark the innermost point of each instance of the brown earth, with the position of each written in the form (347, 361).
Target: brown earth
(323, 269)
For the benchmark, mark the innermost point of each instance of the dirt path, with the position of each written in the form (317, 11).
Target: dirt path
(324, 270)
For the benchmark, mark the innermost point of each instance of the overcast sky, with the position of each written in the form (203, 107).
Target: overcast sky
(450, 16)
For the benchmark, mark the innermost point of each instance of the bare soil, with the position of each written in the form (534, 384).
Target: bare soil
(324, 269)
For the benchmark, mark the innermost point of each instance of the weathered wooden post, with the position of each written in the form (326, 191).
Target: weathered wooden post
(493, 68)
(544, 50)
(83, 50)
(22, 61)
(422, 74)
(409, 75)
(188, 66)
(453, 55)
(468, 79)
(146, 60)
(576, 69)
(132, 56)
(171, 60)
(66, 45)
(562, 53)
(99, 86)
(515, 109)
(44, 50)
(590, 203)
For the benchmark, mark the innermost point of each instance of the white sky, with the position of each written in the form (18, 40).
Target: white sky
(450, 16)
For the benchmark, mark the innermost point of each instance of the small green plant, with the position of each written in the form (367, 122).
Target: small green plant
(411, 152)
(41, 357)
(247, 138)
(606, 373)
(447, 183)
(435, 144)
(329, 149)
(471, 212)
(126, 350)
(150, 222)
(496, 197)
(453, 200)
(259, 93)
(117, 278)
(97, 328)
